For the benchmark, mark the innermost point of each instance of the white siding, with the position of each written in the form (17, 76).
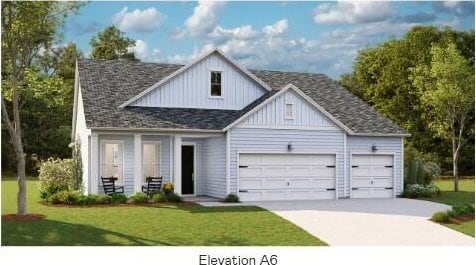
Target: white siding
(276, 141)
(385, 145)
(82, 134)
(214, 157)
(191, 88)
(273, 114)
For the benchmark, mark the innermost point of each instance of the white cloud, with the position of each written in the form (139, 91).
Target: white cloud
(143, 52)
(147, 20)
(278, 28)
(204, 18)
(352, 12)
(243, 33)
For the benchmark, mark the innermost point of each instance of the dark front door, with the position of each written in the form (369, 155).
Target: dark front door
(187, 169)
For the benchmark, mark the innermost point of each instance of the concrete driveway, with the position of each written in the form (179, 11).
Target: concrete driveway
(370, 222)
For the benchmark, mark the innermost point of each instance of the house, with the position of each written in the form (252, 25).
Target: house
(213, 128)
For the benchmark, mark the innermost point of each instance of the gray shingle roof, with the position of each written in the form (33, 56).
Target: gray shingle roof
(105, 85)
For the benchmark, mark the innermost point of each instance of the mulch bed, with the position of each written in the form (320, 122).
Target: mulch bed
(461, 219)
(23, 218)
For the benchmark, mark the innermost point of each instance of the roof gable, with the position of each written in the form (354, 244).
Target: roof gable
(188, 66)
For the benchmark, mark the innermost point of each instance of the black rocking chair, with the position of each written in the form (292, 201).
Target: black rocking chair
(154, 184)
(109, 187)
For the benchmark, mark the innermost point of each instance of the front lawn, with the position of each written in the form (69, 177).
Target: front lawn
(181, 225)
(450, 197)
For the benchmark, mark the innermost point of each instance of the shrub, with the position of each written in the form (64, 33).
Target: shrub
(85, 200)
(462, 210)
(440, 217)
(118, 198)
(69, 197)
(232, 198)
(173, 197)
(54, 198)
(470, 208)
(159, 197)
(56, 175)
(102, 199)
(139, 198)
(420, 168)
(420, 191)
(168, 187)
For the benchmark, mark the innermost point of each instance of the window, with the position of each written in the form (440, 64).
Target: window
(215, 84)
(150, 160)
(112, 160)
(289, 110)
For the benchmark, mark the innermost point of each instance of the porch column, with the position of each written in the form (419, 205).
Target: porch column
(178, 164)
(137, 162)
(227, 151)
(94, 181)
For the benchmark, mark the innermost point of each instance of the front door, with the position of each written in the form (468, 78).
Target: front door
(187, 169)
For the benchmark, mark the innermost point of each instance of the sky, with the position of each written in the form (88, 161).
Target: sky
(321, 37)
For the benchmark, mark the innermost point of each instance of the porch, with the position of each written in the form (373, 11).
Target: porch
(194, 163)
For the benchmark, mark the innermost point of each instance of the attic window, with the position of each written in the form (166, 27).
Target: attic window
(215, 84)
(289, 110)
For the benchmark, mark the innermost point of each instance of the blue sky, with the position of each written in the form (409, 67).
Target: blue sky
(319, 37)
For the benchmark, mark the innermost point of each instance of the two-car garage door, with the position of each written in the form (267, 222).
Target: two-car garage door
(264, 177)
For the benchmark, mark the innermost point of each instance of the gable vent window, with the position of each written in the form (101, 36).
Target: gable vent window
(289, 110)
(215, 84)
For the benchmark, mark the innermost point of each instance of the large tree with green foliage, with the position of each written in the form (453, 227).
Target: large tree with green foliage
(111, 44)
(27, 28)
(446, 91)
(381, 77)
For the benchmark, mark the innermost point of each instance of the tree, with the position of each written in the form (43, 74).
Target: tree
(27, 27)
(446, 89)
(111, 44)
(381, 77)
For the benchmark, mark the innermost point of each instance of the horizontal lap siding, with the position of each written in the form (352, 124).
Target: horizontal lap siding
(82, 135)
(215, 166)
(360, 144)
(276, 140)
(128, 174)
(191, 88)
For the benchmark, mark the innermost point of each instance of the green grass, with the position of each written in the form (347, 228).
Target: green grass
(183, 225)
(465, 195)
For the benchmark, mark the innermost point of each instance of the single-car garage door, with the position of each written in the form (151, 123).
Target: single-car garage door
(264, 177)
(371, 176)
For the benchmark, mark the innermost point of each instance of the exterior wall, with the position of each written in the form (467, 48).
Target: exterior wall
(385, 145)
(82, 134)
(276, 141)
(214, 156)
(191, 88)
(273, 114)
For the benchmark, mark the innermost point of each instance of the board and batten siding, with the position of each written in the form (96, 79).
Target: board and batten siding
(385, 145)
(214, 156)
(191, 88)
(273, 114)
(82, 134)
(247, 140)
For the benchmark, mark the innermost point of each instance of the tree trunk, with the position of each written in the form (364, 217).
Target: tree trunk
(455, 165)
(21, 195)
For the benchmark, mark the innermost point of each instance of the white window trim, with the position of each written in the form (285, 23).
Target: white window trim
(293, 110)
(210, 83)
(101, 143)
(159, 152)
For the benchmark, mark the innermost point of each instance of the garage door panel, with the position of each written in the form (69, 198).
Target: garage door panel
(278, 183)
(382, 172)
(382, 182)
(383, 160)
(322, 172)
(359, 182)
(361, 160)
(250, 183)
(382, 193)
(362, 193)
(362, 171)
(287, 177)
(250, 172)
(274, 171)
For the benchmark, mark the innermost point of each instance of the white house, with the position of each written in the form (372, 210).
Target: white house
(213, 127)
